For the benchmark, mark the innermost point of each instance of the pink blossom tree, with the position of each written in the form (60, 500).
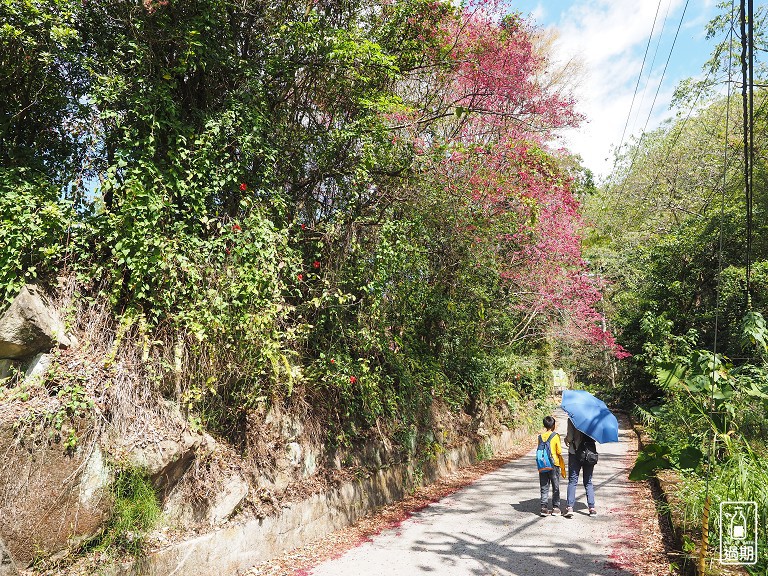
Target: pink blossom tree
(482, 121)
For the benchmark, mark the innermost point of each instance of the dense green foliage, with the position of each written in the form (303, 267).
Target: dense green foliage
(345, 204)
(671, 238)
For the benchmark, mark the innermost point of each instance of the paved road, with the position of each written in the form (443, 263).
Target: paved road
(493, 527)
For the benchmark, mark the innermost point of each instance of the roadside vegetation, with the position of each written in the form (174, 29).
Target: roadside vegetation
(355, 211)
(670, 237)
(347, 209)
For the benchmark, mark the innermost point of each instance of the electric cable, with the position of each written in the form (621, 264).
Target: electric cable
(705, 515)
(642, 135)
(639, 77)
(661, 81)
(704, 84)
(653, 62)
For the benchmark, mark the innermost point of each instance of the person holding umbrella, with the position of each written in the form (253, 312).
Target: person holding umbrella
(575, 440)
(589, 420)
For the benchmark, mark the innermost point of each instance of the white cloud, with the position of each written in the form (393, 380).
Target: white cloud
(610, 37)
(539, 13)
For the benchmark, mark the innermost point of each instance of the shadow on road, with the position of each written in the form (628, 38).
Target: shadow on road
(531, 506)
(505, 557)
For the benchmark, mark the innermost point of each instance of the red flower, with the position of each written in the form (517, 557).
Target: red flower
(303, 226)
(333, 361)
(243, 186)
(236, 228)
(300, 277)
(353, 379)
(316, 264)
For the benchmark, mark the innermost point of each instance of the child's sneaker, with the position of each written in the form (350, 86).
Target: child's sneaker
(545, 511)
(568, 512)
(556, 511)
(592, 512)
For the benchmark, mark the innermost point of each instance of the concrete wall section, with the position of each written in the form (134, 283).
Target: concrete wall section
(236, 548)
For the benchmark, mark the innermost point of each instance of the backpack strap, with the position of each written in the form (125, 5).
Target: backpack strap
(548, 443)
(552, 435)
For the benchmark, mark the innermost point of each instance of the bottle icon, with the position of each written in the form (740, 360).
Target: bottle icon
(738, 524)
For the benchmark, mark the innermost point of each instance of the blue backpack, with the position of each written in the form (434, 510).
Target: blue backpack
(544, 460)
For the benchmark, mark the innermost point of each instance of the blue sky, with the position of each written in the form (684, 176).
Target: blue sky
(609, 38)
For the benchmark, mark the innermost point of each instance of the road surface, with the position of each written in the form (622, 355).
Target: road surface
(493, 527)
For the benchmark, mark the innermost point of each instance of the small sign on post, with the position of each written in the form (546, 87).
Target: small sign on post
(560, 380)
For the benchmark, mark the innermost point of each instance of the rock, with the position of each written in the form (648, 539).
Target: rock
(166, 460)
(7, 567)
(213, 509)
(165, 455)
(293, 454)
(38, 367)
(224, 502)
(6, 369)
(290, 428)
(30, 325)
(43, 504)
(181, 512)
(310, 464)
(95, 479)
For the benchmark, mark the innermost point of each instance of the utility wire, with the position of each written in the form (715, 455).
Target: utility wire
(704, 84)
(679, 133)
(718, 295)
(661, 81)
(639, 76)
(653, 62)
(642, 135)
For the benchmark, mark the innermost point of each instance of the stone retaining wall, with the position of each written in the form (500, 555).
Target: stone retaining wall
(236, 548)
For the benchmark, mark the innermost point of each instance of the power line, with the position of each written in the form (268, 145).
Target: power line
(669, 57)
(718, 295)
(702, 86)
(639, 76)
(653, 62)
(666, 65)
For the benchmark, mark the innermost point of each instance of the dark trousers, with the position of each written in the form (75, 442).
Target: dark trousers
(547, 478)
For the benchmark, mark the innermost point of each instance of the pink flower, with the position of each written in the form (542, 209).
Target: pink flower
(353, 379)
(300, 277)
(316, 264)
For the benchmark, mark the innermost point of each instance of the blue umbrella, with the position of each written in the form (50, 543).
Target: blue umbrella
(590, 415)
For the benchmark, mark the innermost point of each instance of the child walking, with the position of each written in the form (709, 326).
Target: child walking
(552, 476)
